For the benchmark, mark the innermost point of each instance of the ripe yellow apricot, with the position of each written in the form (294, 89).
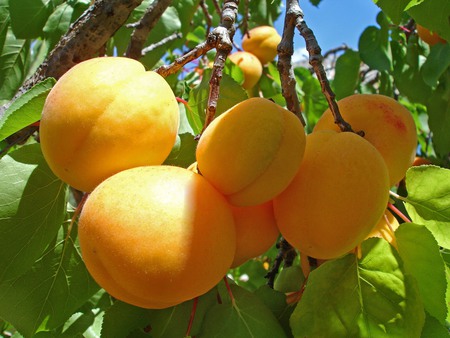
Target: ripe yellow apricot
(251, 152)
(262, 42)
(428, 36)
(338, 195)
(106, 115)
(387, 124)
(418, 160)
(256, 231)
(156, 236)
(385, 228)
(250, 66)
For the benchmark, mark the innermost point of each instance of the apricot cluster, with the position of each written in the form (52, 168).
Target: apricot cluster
(259, 48)
(340, 192)
(154, 235)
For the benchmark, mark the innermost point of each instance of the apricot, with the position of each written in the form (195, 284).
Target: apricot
(250, 66)
(105, 115)
(251, 152)
(262, 41)
(428, 36)
(385, 228)
(256, 231)
(387, 124)
(418, 160)
(337, 196)
(156, 236)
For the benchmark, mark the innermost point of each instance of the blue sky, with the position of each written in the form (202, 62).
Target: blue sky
(334, 22)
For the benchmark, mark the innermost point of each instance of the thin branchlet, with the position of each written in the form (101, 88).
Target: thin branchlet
(143, 27)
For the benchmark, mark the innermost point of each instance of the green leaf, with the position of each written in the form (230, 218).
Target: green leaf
(183, 152)
(428, 200)
(28, 17)
(407, 76)
(13, 61)
(434, 329)
(276, 302)
(434, 15)
(122, 318)
(314, 102)
(393, 9)
(423, 260)
(289, 279)
(47, 295)
(373, 51)
(4, 22)
(168, 24)
(346, 74)
(436, 64)
(32, 209)
(230, 94)
(174, 321)
(263, 12)
(247, 317)
(371, 297)
(26, 109)
(58, 23)
(438, 108)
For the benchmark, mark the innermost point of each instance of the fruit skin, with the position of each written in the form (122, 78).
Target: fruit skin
(263, 43)
(338, 195)
(251, 152)
(429, 37)
(250, 66)
(387, 124)
(156, 236)
(256, 231)
(105, 115)
(420, 161)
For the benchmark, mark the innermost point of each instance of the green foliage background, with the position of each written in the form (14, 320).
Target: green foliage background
(45, 289)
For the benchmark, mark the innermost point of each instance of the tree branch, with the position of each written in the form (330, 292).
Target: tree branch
(225, 33)
(162, 42)
(315, 60)
(285, 52)
(144, 26)
(220, 38)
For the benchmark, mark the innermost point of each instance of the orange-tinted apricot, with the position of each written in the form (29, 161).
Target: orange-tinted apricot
(387, 124)
(428, 36)
(256, 231)
(337, 196)
(250, 66)
(156, 236)
(251, 152)
(262, 41)
(105, 115)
